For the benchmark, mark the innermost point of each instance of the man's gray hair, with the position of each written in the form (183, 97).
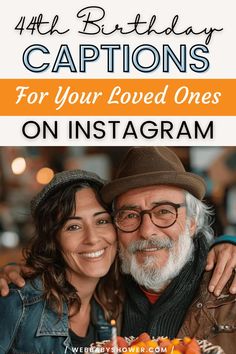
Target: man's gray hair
(202, 214)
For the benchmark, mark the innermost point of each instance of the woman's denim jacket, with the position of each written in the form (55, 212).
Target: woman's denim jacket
(29, 326)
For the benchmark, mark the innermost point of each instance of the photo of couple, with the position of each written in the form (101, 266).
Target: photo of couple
(138, 249)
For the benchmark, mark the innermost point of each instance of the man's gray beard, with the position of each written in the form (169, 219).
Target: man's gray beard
(150, 274)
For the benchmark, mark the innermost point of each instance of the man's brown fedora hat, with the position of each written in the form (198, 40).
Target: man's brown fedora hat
(145, 166)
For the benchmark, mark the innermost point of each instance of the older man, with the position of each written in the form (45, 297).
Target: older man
(164, 234)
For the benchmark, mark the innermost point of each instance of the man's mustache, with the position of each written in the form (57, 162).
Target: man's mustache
(154, 242)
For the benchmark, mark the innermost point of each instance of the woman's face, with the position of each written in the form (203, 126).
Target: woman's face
(88, 239)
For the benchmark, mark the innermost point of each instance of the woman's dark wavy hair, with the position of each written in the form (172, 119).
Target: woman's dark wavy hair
(45, 258)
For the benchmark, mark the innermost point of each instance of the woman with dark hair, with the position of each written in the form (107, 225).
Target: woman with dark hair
(72, 292)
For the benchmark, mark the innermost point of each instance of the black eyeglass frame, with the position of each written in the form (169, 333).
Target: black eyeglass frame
(149, 212)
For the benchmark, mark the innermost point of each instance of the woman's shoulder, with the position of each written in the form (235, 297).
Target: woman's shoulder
(32, 291)
(14, 315)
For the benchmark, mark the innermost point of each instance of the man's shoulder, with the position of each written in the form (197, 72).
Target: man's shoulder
(209, 316)
(205, 296)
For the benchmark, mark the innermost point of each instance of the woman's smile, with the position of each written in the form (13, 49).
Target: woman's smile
(93, 255)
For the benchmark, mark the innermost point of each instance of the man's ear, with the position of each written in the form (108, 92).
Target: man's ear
(192, 227)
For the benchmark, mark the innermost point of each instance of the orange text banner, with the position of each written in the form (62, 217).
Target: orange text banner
(117, 97)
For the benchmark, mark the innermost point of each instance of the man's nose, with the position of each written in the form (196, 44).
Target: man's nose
(147, 228)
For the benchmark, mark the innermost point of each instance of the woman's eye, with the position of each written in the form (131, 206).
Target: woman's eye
(104, 221)
(73, 228)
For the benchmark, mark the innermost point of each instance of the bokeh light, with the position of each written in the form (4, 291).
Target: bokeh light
(18, 165)
(44, 175)
(9, 239)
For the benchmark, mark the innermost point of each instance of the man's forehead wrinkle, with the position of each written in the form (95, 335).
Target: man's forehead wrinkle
(129, 206)
(148, 196)
(153, 203)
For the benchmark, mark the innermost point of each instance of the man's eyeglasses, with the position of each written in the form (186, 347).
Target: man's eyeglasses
(163, 215)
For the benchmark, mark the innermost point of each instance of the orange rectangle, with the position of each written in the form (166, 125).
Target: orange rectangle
(117, 97)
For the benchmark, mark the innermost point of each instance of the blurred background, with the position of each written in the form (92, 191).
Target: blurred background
(25, 170)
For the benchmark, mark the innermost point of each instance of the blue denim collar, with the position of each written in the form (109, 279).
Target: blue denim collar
(51, 324)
